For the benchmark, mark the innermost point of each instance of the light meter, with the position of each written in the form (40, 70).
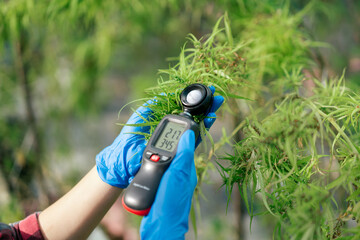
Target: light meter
(196, 99)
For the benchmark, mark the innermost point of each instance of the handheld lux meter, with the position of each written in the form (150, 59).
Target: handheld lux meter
(161, 148)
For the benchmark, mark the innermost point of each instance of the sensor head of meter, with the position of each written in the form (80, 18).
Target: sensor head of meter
(196, 99)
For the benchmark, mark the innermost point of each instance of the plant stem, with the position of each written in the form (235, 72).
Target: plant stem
(22, 74)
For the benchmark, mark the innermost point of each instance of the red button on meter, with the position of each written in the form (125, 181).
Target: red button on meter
(155, 158)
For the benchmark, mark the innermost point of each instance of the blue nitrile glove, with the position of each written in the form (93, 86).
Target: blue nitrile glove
(118, 163)
(168, 217)
(169, 214)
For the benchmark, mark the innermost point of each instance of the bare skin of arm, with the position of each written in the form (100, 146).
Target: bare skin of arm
(78, 212)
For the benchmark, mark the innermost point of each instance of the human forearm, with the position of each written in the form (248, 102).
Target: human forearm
(76, 214)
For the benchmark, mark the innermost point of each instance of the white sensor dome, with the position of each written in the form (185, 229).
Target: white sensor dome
(194, 96)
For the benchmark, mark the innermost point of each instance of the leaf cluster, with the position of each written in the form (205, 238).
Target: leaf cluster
(213, 61)
(299, 158)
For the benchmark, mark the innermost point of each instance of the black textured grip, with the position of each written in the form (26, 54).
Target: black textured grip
(141, 193)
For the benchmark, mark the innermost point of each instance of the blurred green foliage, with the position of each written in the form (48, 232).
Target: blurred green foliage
(54, 59)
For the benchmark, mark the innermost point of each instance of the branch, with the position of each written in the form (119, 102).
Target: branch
(22, 74)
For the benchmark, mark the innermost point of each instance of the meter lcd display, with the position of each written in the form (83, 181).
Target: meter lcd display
(170, 136)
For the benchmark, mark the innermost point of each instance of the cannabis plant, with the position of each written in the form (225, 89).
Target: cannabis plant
(299, 147)
(302, 161)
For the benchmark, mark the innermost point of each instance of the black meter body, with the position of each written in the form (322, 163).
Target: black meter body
(161, 150)
(158, 154)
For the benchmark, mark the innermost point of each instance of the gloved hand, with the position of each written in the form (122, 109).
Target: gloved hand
(168, 217)
(118, 163)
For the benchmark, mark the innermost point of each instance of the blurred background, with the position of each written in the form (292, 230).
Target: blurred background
(68, 66)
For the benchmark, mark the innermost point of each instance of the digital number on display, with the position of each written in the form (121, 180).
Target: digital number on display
(170, 136)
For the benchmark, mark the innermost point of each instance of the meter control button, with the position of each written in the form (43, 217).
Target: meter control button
(148, 154)
(164, 158)
(155, 158)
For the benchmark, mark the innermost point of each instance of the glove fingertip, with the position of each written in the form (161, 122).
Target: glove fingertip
(212, 88)
(209, 121)
(218, 101)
